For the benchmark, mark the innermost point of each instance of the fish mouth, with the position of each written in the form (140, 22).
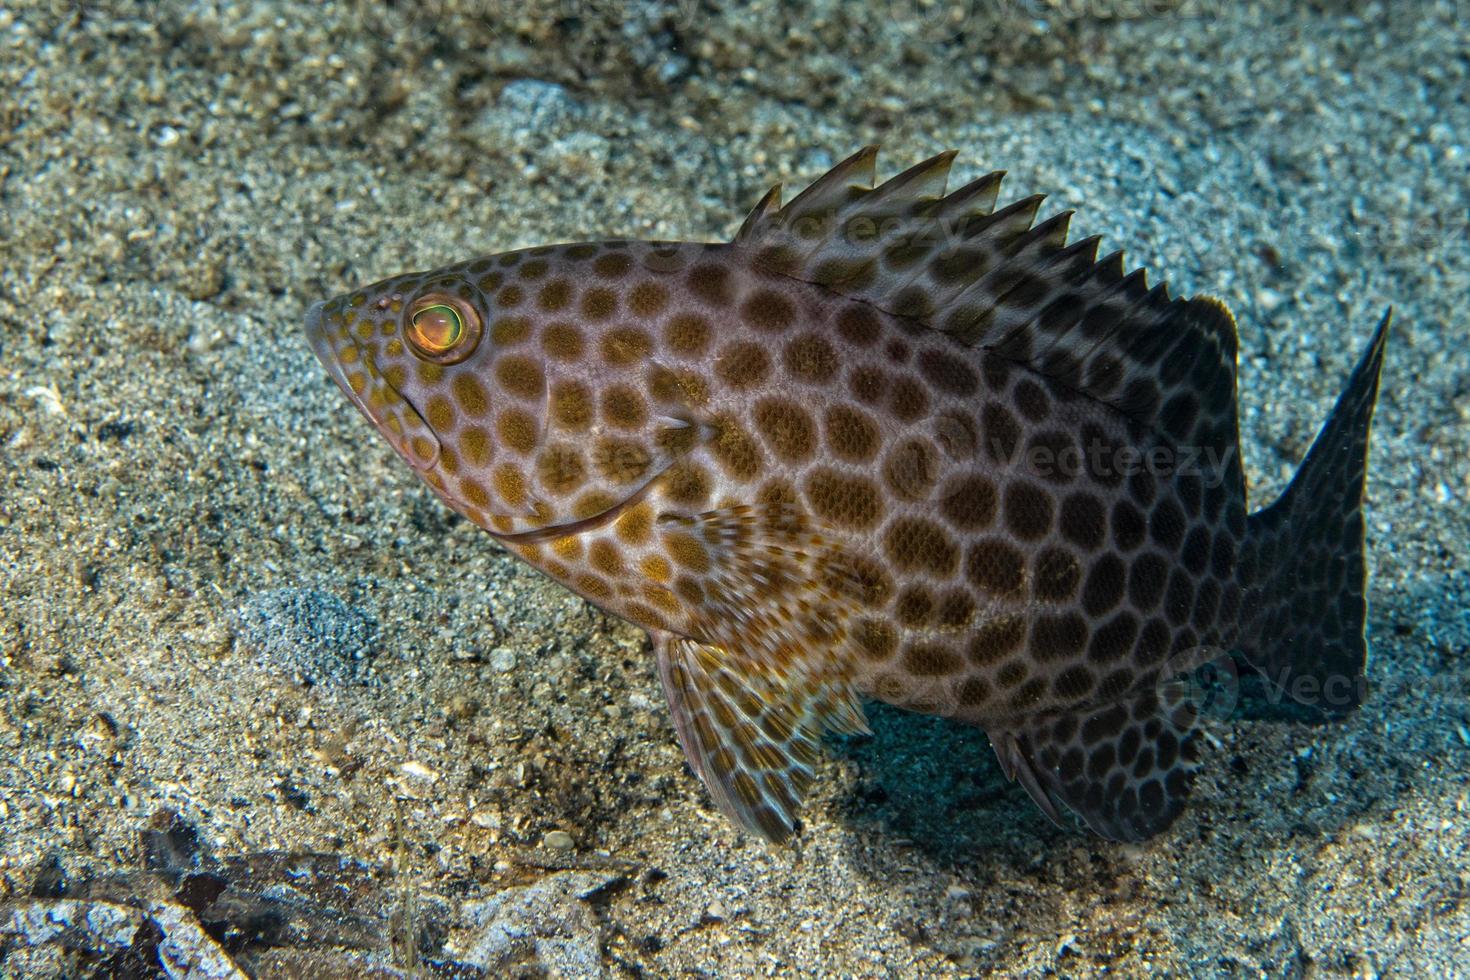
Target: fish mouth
(404, 416)
(321, 345)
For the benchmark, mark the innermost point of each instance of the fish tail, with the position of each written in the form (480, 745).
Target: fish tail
(1302, 566)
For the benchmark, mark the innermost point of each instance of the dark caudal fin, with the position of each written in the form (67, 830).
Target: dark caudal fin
(1125, 768)
(1302, 561)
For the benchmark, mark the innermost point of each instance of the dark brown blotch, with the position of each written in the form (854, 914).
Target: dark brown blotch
(996, 639)
(1001, 432)
(948, 373)
(470, 394)
(931, 660)
(1083, 521)
(517, 429)
(811, 358)
(1146, 578)
(743, 365)
(521, 376)
(852, 434)
(613, 265)
(911, 469)
(850, 501)
(1028, 510)
(571, 405)
(711, 283)
(561, 468)
(914, 606)
(1106, 580)
(996, 567)
(620, 460)
(1165, 524)
(647, 299)
(907, 399)
(1113, 639)
(687, 483)
(1055, 574)
(768, 311)
(1031, 399)
(562, 341)
(915, 544)
(1128, 525)
(867, 384)
(736, 450)
(968, 502)
(554, 296)
(599, 303)
(875, 639)
(956, 610)
(687, 334)
(623, 407)
(858, 324)
(787, 428)
(1057, 636)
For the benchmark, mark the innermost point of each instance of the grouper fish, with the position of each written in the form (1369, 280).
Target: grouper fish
(893, 443)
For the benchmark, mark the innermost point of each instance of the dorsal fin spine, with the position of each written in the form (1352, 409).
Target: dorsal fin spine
(920, 177)
(860, 168)
(768, 205)
(1050, 233)
(975, 199)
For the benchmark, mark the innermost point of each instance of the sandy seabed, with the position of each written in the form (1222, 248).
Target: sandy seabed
(266, 706)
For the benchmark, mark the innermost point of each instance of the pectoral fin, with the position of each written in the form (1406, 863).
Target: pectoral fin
(750, 730)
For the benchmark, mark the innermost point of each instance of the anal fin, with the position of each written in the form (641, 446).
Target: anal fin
(1125, 768)
(750, 729)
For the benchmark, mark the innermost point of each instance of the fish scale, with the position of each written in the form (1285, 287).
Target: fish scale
(887, 443)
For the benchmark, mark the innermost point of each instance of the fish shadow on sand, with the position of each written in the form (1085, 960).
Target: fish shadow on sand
(937, 785)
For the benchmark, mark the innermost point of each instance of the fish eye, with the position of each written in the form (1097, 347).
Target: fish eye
(443, 329)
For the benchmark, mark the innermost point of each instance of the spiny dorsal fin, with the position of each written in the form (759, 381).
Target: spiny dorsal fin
(996, 279)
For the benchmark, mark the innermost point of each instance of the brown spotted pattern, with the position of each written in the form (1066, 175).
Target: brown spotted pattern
(948, 472)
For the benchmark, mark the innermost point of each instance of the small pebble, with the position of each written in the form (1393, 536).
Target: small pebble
(559, 840)
(417, 770)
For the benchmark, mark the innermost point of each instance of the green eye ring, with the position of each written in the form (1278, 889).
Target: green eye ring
(442, 329)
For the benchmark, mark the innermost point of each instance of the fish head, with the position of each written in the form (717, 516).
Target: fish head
(521, 387)
(393, 345)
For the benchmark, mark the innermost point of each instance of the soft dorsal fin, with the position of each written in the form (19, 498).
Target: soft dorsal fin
(999, 280)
